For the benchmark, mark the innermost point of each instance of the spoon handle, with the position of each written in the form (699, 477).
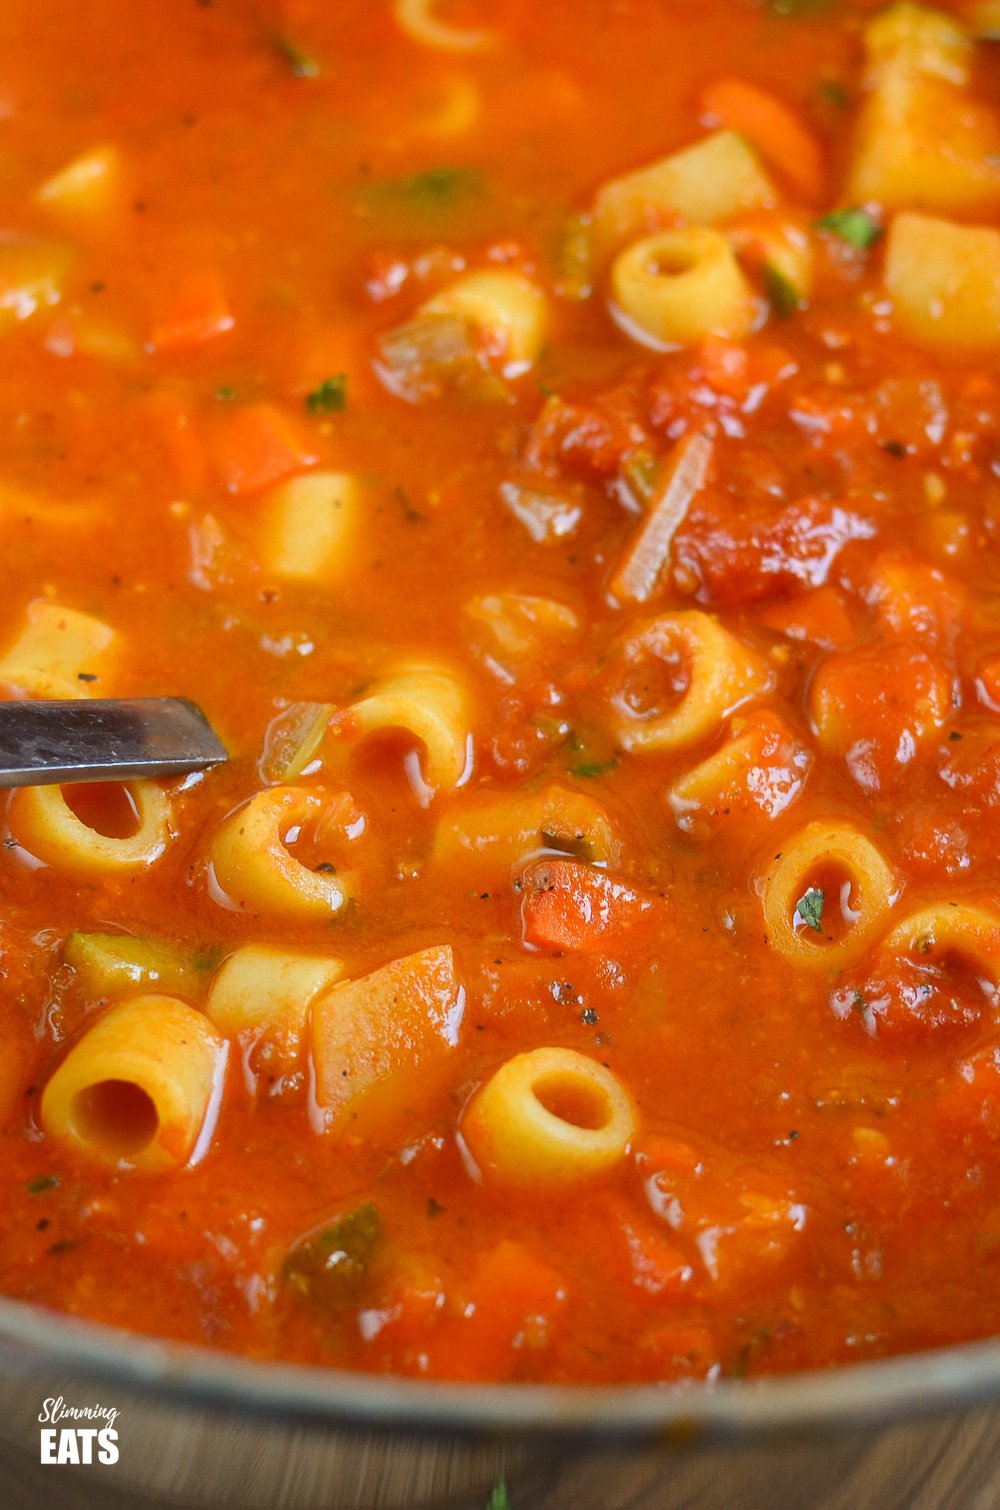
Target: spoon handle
(104, 739)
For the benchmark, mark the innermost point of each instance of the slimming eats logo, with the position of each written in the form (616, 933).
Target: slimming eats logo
(89, 1443)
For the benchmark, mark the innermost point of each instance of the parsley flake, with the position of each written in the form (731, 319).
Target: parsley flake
(42, 1183)
(810, 908)
(782, 295)
(330, 397)
(853, 225)
(593, 767)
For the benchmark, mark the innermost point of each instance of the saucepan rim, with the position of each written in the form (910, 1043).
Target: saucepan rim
(57, 1349)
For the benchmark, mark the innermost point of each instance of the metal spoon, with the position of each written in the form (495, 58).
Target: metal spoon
(104, 739)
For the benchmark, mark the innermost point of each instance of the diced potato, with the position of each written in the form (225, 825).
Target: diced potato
(922, 143)
(113, 964)
(307, 522)
(917, 39)
(56, 652)
(32, 274)
(266, 991)
(382, 1044)
(714, 180)
(88, 186)
(945, 281)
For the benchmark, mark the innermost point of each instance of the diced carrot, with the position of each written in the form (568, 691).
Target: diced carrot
(511, 1295)
(569, 904)
(197, 310)
(254, 445)
(772, 127)
(683, 478)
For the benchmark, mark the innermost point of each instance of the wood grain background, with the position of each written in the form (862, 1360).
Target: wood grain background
(190, 1460)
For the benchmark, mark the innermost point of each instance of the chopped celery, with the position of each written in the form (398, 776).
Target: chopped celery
(292, 740)
(110, 963)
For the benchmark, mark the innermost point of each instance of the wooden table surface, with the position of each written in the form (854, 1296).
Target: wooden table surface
(203, 1460)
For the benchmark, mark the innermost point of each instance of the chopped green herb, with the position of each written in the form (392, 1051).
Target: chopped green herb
(499, 1499)
(782, 295)
(225, 394)
(434, 190)
(810, 908)
(41, 1183)
(302, 64)
(835, 93)
(593, 767)
(333, 1263)
(208, 960)
(330, 397)
(853, 225)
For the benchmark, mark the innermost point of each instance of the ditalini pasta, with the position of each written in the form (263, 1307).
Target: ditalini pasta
(679, 676)
(429, 703)
(47, 826)
(679, 286)
(826, 893)
(139, 1086)
(252, 862)
(557, 446)
(549, 1117)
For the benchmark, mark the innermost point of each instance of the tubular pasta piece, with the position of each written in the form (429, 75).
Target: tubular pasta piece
(680, 286)
(54, 648)
(140, 1087)
(417, 19)
(382, 1044)
(550, 1117)
(758, 772)
(506, 309)
(307, 525)
(852, 886)
(506, 830)
(969, 932)
(266, 991)
(430, 704)
(43, 822)
(711, 672)
(253, 866)
(713, 180)
(521, 625)
(944, 280)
